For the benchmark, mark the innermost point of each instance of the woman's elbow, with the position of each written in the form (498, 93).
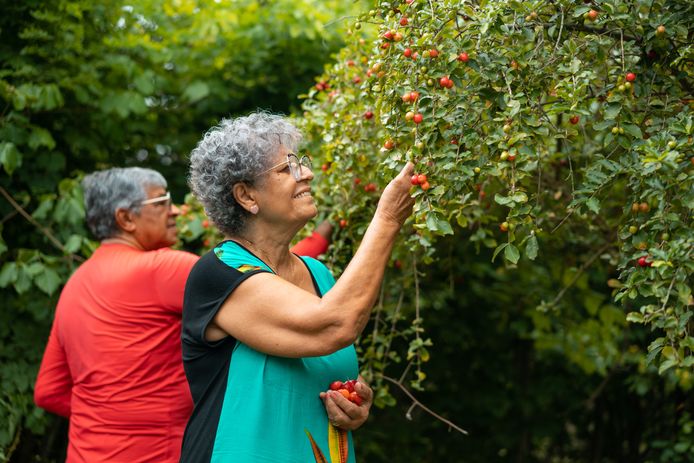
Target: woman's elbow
(338, 339)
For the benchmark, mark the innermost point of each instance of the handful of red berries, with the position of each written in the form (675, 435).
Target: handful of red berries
(347, 390)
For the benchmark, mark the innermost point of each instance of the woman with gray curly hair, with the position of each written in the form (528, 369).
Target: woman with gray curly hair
(266, 332)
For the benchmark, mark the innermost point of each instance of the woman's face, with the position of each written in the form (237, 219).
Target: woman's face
(282, 199)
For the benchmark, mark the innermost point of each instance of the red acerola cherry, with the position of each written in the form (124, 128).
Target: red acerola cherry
(354, 398)
(335, 385)
(343, 224)
(630, 77)
(421, 178)
(414, 180)
(433, 53)
(407, 52)
(403, 21)
(418, 118)
(368, 115)
(425, 186)
(643, 261)
(463, 57)
(574, 119)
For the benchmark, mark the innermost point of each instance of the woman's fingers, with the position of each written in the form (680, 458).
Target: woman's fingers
(396, 202)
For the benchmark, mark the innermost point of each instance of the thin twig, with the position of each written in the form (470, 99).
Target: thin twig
(580, 271)
(561, 28)
(423, 407)
(54, 241)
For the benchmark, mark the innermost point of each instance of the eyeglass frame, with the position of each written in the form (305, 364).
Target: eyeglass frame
(300, 162)
(159, 199)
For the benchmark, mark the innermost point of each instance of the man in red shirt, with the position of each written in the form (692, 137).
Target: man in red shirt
(113, 364)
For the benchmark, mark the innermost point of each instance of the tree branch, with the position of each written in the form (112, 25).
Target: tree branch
(417, 403)
(54, 241)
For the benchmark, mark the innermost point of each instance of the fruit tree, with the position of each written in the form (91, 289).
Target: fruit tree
(550, 133)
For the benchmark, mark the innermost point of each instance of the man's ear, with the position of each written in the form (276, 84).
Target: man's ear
(244, 195)
(124, 220)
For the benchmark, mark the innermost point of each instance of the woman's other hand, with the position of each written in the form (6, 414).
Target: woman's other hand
(396, 202)
(345, 414)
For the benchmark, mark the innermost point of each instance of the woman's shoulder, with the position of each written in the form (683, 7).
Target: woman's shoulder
(236, 256)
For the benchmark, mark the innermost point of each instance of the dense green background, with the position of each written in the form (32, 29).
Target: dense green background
(530, 352)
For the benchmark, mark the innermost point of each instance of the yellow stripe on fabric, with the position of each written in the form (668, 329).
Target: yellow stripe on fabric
(338, 445)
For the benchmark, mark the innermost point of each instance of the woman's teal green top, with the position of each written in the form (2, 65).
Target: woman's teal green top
(251, 407)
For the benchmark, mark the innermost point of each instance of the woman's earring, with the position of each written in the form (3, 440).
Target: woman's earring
(254, 209)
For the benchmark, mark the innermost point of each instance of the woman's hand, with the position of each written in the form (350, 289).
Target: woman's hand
(344, 414)
(396, 203)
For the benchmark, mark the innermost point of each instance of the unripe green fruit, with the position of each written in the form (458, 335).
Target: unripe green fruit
(633, 229)
(621, 87)
(615, 130)
(430, 82)
(477, 170)
(503, 156)
(671, 144)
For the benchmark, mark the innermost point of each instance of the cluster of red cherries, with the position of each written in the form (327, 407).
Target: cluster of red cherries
(347, 390)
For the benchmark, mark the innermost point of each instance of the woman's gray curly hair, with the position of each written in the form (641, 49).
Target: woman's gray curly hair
(236, 150)
(105, 191)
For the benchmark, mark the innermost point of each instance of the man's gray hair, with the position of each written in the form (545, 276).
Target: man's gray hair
(236, 150)
(105, 191)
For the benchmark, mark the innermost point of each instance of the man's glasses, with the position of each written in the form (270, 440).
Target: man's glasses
(159, 199)
(296, 165)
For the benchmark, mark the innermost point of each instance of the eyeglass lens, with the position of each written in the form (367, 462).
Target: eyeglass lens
(295, 165)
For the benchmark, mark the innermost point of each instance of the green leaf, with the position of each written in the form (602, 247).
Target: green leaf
(593, 204)
(73, 244)
(437, 224)
(503, 200)
(144, 83)
(41, 137)
(10, 157)
(196, 91)
(635, 317)
(8, 274)
(47, 281)
(531, 247)
(603, 125)
(666, 365)
(633, 130)
(511, 253)
(498, 250)
(612, 110)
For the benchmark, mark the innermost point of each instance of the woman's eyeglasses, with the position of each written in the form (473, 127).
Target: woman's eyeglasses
(295, 164)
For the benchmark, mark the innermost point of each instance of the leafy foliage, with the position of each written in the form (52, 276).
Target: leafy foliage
(555, 136)
(536, 125)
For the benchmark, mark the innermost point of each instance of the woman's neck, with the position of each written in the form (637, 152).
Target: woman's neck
(273, 250)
